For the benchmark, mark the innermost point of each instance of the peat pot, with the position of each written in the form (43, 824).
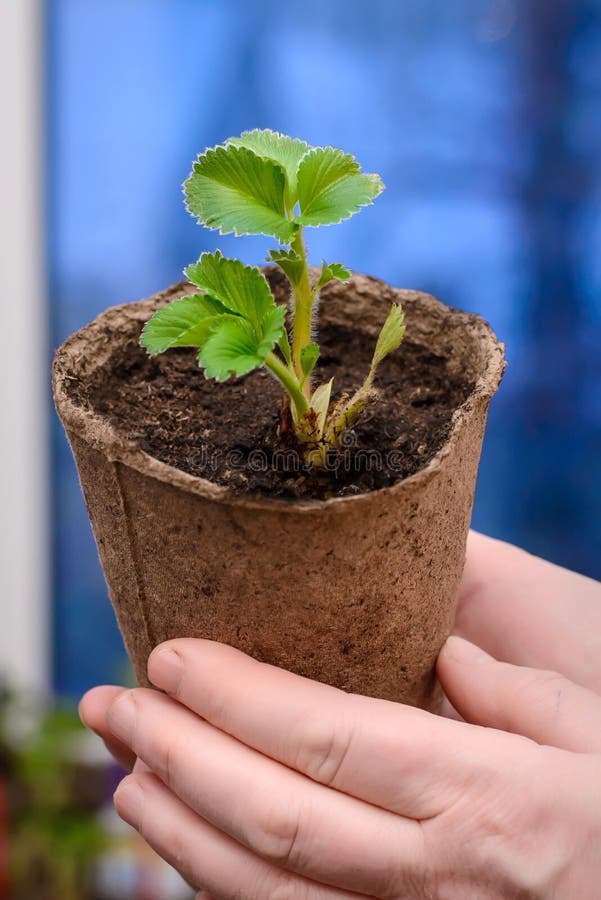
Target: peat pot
(358, 591)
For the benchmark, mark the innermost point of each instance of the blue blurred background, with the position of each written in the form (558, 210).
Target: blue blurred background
(484, 119)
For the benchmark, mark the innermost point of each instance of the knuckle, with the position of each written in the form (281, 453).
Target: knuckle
(323, 748)
(276, 830)
(165, 764)
(217, 709)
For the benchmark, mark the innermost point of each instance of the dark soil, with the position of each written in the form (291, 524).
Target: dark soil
(228, 433)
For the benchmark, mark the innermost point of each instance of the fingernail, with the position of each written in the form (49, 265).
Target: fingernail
(121, 717)
(165, 669)
(129, 802)
(464, 652)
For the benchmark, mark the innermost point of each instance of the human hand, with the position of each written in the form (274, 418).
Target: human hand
(527, 611)
(262, 784)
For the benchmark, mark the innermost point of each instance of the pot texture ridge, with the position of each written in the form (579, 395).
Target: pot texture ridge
(369, 598)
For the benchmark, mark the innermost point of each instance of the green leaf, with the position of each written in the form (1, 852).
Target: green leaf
(320, 402)
(309, 356)
(234, 190)
(280, 148)
(241, 340)
(284, 345)
(389, 339)
(233, 348)
(332, 272)
(331, 187)
(241, 289)
(290, 263)
(391, 335)
(183, 323)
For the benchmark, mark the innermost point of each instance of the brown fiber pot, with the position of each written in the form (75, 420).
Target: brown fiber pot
(358, 592)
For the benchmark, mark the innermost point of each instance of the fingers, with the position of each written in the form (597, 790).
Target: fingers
(390, 755)
(538, 704)
(92, 712)
(278, 814)
(203, 855)
(527, 611)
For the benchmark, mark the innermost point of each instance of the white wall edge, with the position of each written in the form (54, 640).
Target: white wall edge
(24, 470)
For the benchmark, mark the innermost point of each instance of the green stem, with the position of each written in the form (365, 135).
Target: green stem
(303, 301)
(289, 381)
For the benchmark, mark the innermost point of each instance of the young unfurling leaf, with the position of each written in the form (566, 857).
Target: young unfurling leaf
(391, 335)
(309, 357)
(234, 190)
(320, 402)
(289, 262)
(284, 345)
(310, 426)
(280, 148)
(332, 272)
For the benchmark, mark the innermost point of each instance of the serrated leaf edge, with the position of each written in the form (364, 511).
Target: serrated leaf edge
(235, 231)
(371, 175)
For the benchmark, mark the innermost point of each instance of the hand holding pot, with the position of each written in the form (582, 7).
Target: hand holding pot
(258, 783)
(527, 611)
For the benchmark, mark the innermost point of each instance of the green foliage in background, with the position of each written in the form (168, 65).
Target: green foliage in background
(54, 836)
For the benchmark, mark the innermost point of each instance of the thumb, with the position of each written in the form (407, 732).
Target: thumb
(540, 705)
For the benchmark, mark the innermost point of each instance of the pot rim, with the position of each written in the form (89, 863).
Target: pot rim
(95, 430)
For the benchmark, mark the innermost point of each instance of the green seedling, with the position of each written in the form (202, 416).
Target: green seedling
(267, 183)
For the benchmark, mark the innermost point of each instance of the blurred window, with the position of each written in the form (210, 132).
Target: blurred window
(483, 117)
